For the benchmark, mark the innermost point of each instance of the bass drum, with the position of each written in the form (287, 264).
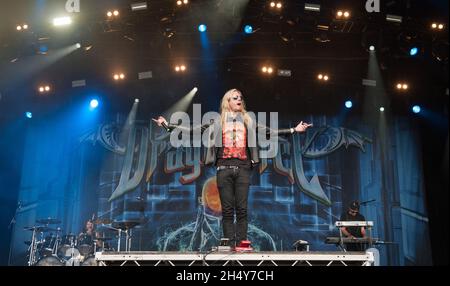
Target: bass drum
(49, 261)
(90, 261)
(85, 245)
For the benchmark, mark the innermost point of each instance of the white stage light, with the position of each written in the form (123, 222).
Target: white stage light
(139, 6)
(62, 21)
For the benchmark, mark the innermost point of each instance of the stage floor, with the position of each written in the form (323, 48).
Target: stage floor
(299, 258)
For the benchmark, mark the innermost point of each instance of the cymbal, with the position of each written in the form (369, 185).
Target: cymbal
(48, 221)
(39, 228)
(102, 221)
(125, 224)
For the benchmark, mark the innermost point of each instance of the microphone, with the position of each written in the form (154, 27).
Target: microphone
(165, 126)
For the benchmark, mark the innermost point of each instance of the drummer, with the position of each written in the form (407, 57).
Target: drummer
(89, 233)
(88, 229)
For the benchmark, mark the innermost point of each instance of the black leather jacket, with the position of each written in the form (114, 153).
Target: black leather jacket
(210, 155)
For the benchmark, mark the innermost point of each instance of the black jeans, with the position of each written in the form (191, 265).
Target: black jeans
(233, 185)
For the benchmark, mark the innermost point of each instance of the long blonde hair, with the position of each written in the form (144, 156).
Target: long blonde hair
(225, 108)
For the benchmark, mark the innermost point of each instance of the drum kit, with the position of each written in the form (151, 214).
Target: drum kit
(50, 247)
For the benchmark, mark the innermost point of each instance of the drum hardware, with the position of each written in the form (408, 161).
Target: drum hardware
(50, 261)
(32, 259)
(48, 221)
(89, 261)
(124, 227)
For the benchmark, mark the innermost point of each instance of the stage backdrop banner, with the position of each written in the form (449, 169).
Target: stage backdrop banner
(131, 175)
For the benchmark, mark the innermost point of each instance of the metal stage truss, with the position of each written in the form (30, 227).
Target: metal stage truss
(299, 258)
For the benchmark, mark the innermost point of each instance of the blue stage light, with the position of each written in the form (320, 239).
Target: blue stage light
(43, 49)
(349, 104)
(202, 28)
(416, 109)
(29, 115)
(413, 51)
(94, 104)
(248, 29)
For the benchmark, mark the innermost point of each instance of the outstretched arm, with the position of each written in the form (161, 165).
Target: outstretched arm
(161, 121)
(300, 128)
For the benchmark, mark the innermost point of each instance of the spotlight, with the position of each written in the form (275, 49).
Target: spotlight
(267, 69)
(284, 73)
(43, 49)
(119, 76)
(394, 18)
(277, 5)
(114, 13)
(44, 89)
(29, 115)
(180, 68)
(248, 29)
(372, 48)
(79, 83)
(341, 13)
(22, 27)
(416, 109)
(179, 2)
(185, 1)
(348, 104)
(94, 104)
(413, 51)
(402, 86)
(195, 89)
(382, 109)
(62, 21)
(202, 28)
(323, 77)
(437, 26)
(139, 6)
(78, 45)
(136, 100)
(312, 7)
